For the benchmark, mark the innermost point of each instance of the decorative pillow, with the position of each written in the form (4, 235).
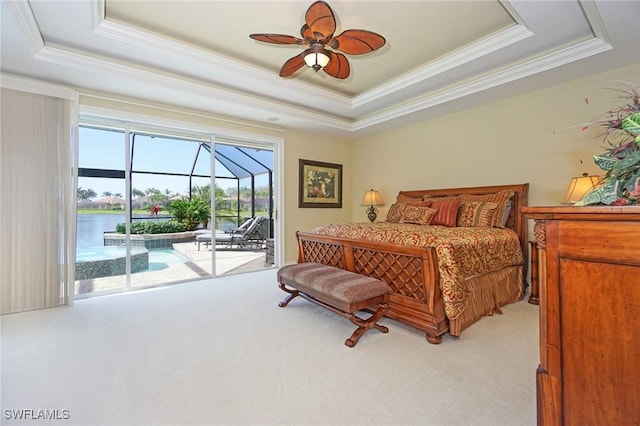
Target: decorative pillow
(395, 211)
(476, 213)
(447, 212)
(417, 215)
(418, 203)
(500, 198)
(433, 198)
(505, 213)
(405, 198)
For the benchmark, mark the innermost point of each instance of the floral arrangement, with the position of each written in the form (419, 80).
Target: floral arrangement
(621, 159)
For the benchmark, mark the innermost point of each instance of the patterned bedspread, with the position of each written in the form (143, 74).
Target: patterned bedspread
(463, 252)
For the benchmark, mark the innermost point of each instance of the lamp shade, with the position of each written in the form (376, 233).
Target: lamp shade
(372, 198)
(579, 187)
(316, 56)
(314, 59)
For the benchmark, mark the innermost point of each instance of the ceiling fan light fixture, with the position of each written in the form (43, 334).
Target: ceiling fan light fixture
(316, 57)
(318, 33)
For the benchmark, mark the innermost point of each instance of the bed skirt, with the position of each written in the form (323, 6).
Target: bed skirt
(487, 293)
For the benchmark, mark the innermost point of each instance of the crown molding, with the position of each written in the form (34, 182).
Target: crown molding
(27, 23)
(542, 63)
(108, 66)
(23, 84)
(461, 57)
(262, 91)
(594, 19)
(98, 10)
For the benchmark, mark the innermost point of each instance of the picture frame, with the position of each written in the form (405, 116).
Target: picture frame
(319, 184)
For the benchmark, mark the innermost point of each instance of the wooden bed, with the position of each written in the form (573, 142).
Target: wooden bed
(413, 272)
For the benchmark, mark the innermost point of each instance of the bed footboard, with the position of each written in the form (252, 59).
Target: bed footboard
(411, 272)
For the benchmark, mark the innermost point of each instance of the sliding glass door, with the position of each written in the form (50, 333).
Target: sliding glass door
(147, 215)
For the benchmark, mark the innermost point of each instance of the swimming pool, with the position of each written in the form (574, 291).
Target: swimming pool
(109, 261)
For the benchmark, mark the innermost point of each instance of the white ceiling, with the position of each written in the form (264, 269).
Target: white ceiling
(440, 56)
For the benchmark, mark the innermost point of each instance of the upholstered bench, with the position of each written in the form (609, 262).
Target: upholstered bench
(340, 291)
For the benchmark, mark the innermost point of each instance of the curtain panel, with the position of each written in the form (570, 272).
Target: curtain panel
(37, 247)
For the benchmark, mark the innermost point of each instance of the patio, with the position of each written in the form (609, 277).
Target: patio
(198, 265)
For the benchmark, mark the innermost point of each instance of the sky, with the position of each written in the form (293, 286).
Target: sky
(100, 149)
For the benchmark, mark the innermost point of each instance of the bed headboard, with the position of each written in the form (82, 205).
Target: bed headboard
(516, 220)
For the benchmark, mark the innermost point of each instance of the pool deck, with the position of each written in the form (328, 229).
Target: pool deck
(199, 266)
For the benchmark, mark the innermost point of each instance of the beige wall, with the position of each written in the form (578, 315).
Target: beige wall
(526, 138)
(300, 145)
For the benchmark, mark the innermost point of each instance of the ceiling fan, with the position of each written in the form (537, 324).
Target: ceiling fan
(317, 34)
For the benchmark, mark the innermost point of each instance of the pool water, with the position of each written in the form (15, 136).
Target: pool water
(92, 254)
(105, 261)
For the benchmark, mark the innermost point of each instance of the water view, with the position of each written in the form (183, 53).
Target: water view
(91, 227)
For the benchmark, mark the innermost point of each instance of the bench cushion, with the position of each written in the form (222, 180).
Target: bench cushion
(336, 283)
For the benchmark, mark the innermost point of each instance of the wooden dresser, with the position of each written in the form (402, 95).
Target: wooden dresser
(589, 272)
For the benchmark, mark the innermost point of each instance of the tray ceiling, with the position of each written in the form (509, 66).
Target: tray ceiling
(440, 56)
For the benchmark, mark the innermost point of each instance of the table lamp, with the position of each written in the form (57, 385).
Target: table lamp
(372, 199)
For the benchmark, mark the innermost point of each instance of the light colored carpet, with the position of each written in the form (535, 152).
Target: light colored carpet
(221, 352)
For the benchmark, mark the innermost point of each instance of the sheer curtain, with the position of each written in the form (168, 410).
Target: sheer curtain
(37, 229)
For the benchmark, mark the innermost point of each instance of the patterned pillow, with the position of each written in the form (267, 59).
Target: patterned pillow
(433, 198)
(417, 215)
(447, 212)
(476, 213)
(500, 198)
(395, 211)
(405, 198)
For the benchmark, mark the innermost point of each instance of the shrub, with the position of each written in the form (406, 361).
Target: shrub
(190, 213)
(165, 227)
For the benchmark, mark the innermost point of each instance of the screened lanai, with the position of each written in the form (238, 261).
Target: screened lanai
(160, 161)
(130, 187)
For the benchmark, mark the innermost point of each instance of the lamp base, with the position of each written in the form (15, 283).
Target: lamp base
(371, 213)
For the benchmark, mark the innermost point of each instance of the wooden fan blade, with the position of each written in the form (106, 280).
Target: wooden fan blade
(291, 66)
(276, 38)
(357, 42)
(320, 24)
(338, 66)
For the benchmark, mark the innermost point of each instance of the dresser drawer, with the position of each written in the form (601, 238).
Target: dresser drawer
(617, 242)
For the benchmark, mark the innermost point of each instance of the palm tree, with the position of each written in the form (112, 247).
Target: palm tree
(107, 194)
(86, 194)
(118, 195)
(137, 193)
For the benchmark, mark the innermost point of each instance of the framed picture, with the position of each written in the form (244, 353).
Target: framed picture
(320, 184)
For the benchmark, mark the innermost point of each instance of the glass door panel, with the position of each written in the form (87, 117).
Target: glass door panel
(101, 207)
(168, 209)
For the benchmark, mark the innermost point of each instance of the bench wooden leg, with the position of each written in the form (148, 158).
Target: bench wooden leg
(292, 295)
(365, 325)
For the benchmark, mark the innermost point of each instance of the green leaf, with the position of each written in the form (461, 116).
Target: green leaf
(605, 162)
(606, 194)
(631, 124)
(623, 166)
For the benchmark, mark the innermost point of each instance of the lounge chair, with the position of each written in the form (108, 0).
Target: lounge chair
(252, 235)
(239, 230)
